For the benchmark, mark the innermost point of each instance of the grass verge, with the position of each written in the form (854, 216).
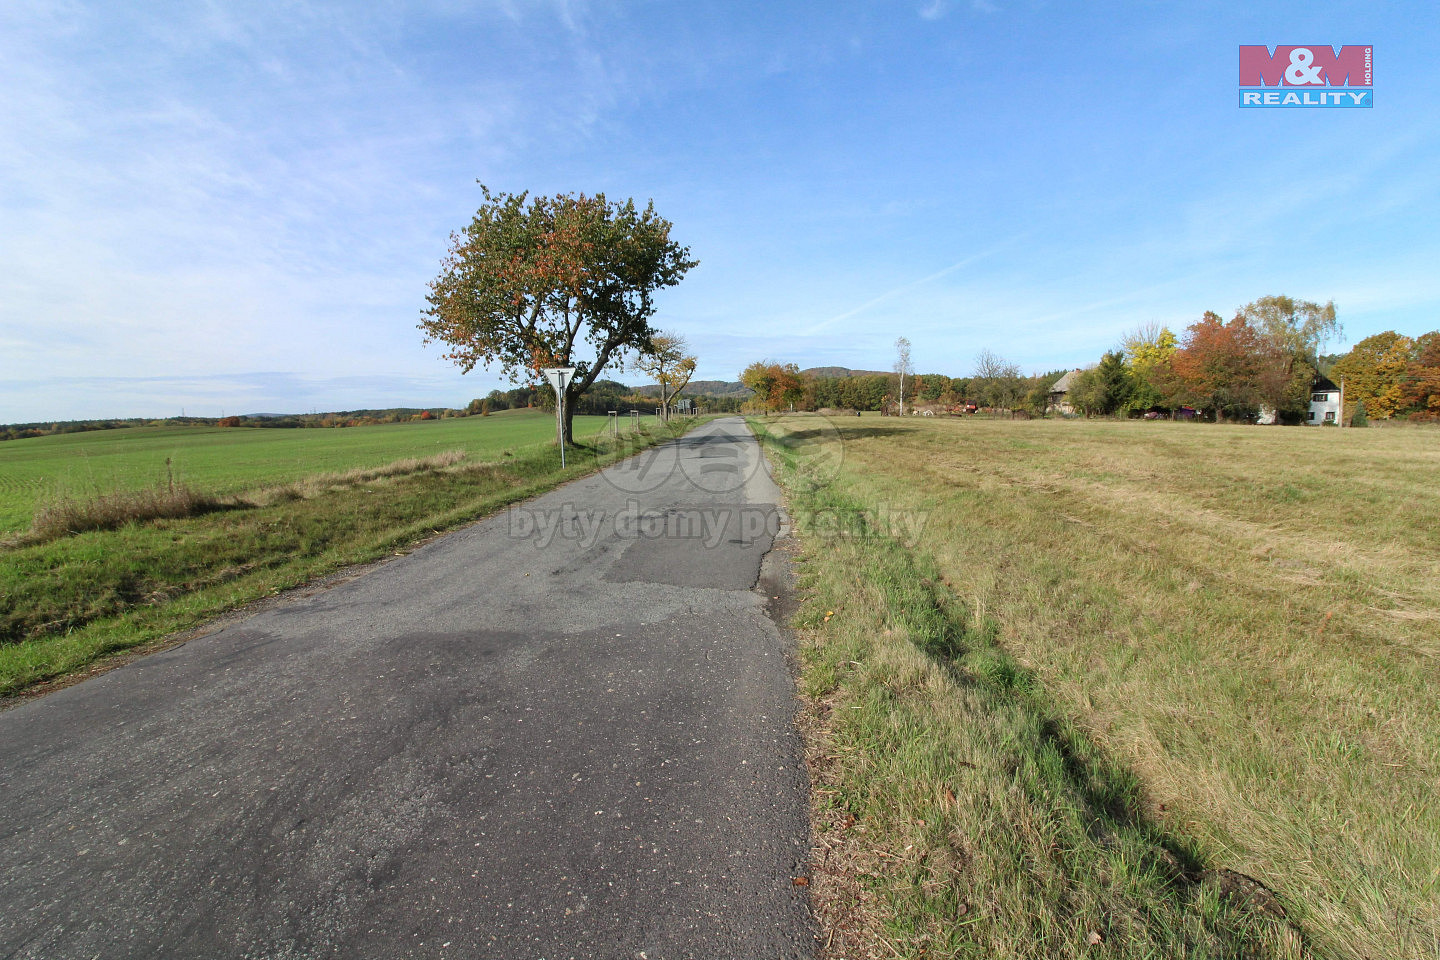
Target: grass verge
(959, 812)
(69, 601)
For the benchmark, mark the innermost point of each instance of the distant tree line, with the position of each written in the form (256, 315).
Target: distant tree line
(20, 431)
(602, 397)
(1264, 361)
(995, 386)
(350, 418)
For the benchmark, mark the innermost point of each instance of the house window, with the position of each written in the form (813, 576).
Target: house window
(1329, 416)
(1312, 414)
(1319, 397)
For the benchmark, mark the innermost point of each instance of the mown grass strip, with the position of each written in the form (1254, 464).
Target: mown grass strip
(1264, 660)
(958, 812)
(69, 601)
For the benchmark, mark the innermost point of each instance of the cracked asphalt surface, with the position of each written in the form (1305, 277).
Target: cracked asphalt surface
(565, 731)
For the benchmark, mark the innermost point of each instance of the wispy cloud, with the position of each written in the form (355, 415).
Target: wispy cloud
(905, 288)
(239, 187)
(938, 9)
(195, 192)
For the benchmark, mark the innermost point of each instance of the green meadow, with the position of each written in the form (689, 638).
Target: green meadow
(229, 461)
(126, 559)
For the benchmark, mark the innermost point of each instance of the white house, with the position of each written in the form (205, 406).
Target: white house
(1324, 402)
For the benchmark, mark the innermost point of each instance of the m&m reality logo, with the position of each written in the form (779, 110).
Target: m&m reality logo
(1315, 75)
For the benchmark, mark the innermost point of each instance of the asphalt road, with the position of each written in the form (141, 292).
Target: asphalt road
(565, 731)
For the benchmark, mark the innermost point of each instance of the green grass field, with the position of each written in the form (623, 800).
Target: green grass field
(1125, 667)
(233, 461)
(303, 503)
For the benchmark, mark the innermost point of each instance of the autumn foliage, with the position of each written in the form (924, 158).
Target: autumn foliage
(1265, 357)
(1422, 380)
(1217, 367)
(1393, 375)
(567, 280)
(776, 385)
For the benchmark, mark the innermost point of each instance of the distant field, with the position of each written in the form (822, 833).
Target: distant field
(229, 461)
(1244, 619)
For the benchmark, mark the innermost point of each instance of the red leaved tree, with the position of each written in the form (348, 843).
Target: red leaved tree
(1219, 368)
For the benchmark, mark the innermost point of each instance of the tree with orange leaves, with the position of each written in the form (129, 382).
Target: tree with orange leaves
(1218, 367)
(776, 385)
(1422, 389)
(558, 281)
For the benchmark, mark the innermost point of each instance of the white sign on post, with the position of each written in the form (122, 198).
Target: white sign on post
(560, 378)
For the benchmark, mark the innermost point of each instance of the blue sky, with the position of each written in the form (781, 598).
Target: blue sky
(232, 207)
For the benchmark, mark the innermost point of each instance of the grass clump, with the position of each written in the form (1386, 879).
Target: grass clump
(313, 486)
(67, 515)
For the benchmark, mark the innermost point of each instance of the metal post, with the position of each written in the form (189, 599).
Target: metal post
(559, 378)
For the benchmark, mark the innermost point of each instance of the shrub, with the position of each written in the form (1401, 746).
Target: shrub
(1359, 418)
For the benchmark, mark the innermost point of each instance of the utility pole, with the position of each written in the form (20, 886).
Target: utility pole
(1342, 401)
(902, 364)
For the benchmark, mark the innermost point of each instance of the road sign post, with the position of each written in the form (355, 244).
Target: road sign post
(560, 378)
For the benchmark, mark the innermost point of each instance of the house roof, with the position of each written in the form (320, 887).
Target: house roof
(1323, 383)
(1064, 384)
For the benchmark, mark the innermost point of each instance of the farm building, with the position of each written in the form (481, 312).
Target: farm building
(1324, 402)
(1059, 391)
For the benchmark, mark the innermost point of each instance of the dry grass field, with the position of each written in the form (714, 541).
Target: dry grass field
(1160, 662)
